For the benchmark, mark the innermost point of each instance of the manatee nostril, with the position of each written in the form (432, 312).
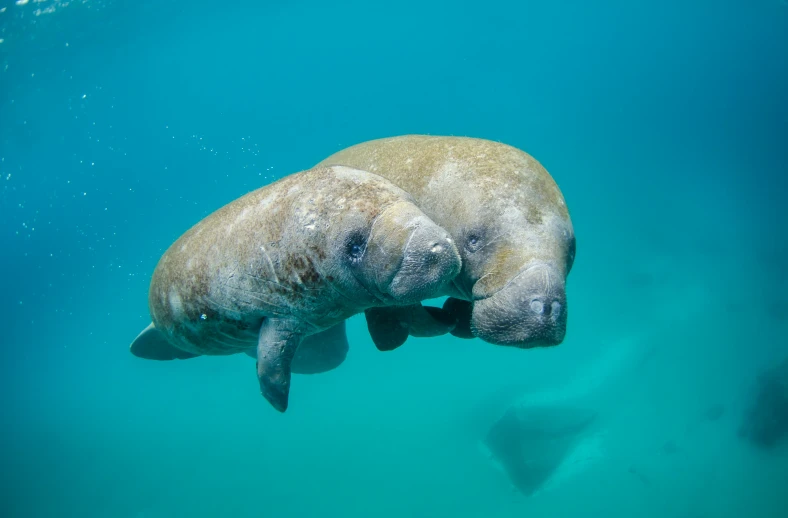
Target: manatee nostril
(436, 248)
(555, 309)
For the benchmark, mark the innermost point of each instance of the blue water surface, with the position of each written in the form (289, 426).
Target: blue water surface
(123, 123)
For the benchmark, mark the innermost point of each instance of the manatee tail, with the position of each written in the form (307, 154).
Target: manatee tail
(151, 344)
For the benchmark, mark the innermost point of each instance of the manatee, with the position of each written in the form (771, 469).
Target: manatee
(531, 443)
(543, 434)
(765, 422)
(510, 223)
(288, 261)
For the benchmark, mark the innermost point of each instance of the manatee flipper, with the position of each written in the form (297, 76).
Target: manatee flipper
(426, 321)
(460, 312)
(151, 344)
(276, 347)
(322, 352)
(388, 327)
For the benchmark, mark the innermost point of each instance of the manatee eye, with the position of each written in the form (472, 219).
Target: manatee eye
(355, 247)
(473, 243)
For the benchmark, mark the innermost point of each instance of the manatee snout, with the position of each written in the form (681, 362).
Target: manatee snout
(430, 261)
(530, 311)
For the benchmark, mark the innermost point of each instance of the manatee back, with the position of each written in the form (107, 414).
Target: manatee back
(443, 173)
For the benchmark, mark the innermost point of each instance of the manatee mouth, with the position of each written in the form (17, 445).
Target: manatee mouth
(529, 311)
(430, 262)
(525, 271)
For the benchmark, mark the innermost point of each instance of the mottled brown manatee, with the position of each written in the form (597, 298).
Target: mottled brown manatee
(510, 223)
(288, 261)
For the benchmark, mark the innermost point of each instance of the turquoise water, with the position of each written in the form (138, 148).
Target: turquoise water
(123, 123)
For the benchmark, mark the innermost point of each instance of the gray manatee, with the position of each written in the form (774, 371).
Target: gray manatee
(510, 223)
(290, 260)
(530, 443)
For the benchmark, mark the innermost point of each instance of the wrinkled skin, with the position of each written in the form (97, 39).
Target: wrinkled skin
(510, 223)
(289, 261)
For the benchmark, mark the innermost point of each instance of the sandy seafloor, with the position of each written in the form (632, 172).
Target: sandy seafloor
(123, 123)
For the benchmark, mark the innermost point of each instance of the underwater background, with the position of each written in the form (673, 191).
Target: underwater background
(665, 124)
